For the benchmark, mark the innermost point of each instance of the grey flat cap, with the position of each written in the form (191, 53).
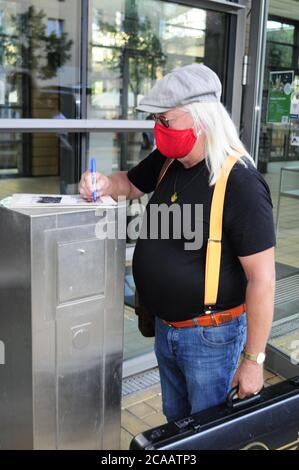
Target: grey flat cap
(189, 84)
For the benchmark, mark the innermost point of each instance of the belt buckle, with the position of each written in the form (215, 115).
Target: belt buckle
(209, 311)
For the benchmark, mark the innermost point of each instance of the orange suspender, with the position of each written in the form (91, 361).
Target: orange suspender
(213, 256)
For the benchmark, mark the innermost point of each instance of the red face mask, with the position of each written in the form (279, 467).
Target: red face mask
(174, 143)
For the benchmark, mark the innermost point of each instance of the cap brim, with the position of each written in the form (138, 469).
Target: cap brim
(152, 109)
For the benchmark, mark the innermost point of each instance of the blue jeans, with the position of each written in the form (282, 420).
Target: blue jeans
(197, 364)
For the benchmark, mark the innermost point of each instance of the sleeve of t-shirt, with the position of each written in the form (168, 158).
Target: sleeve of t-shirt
(248, 212)
(145, 175)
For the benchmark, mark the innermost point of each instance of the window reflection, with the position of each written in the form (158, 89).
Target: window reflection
(132, 44)
(36, 51)
(39, 78)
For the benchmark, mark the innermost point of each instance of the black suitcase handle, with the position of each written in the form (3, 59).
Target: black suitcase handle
(237, 403)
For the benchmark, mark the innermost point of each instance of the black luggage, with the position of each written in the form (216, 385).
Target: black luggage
(269, 420)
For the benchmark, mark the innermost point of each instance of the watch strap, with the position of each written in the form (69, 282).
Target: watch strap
(251, 357)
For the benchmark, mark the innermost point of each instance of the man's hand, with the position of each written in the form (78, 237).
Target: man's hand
(249, 377)
(103, 185)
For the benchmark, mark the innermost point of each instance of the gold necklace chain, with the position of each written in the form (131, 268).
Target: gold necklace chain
(174, 195)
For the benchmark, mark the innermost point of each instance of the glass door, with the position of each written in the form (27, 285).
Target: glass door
(131, 45)
(95, 59)
(277, 157)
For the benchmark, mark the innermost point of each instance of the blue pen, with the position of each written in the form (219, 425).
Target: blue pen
(93, 179)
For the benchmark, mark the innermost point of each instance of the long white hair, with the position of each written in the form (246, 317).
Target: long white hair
(221, 134)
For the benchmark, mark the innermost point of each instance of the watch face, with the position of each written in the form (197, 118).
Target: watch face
(260, 358)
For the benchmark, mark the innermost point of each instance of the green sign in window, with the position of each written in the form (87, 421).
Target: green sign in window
(279, 97)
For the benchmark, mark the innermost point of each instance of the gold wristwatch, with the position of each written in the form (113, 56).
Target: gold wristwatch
(258, 358)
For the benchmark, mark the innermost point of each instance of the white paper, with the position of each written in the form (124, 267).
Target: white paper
(58, 200)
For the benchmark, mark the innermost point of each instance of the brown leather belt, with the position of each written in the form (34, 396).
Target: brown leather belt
(210, 319)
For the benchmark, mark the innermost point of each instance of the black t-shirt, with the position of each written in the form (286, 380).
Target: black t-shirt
(169, 278)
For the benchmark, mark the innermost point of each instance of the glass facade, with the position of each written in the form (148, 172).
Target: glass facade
(74, 59)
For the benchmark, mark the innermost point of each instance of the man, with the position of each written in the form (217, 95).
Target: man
(199, 364)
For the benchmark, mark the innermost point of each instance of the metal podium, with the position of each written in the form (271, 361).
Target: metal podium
(61, 324)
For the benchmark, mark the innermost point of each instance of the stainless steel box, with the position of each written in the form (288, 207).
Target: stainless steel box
(61, 324)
